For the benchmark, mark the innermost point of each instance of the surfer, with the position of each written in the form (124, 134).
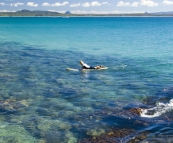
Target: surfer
(85, 66)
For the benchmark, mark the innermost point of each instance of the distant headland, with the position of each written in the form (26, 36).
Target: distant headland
(41, 13)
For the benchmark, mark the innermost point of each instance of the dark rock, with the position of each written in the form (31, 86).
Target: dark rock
(8, 106)
(98, 140)
(137, 111)
(141, 136)
(111, 137)
(122, 133)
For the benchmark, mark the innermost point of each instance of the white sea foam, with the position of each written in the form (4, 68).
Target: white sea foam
(160, 109)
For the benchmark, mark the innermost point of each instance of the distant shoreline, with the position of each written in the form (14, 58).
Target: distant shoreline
(39, 13)
(64, 16)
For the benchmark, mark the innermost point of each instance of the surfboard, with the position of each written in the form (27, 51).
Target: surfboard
(72, 69)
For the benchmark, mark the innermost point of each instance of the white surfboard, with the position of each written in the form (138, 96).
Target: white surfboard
(72, 69)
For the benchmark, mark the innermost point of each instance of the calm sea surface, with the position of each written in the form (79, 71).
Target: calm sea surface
(42, 102)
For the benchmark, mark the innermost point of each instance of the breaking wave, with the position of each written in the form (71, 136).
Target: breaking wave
(160, 109)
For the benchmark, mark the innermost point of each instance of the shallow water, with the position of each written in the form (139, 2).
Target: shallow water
(41, 101)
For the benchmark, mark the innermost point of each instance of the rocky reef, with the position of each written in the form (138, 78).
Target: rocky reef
(131, 115)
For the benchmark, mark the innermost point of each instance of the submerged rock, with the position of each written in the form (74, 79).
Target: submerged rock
(113, 136)
(95, 132)
(11, 105)
(141, 136)
(8, 106)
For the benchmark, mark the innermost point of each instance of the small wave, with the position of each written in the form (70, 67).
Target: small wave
(160, 109)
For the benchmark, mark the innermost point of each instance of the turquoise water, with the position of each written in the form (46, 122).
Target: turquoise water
(42, 102)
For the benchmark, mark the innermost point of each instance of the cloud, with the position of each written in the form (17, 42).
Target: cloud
(60, 4)
(17, 4)
(55, 4)
(75, 5)
(148, 3)
(121, 3)
(12, 4)
(32, 4)
(167, 2)
(135, 4)
(2, 4)
(87, 4)
(46, 4)
(94, 3)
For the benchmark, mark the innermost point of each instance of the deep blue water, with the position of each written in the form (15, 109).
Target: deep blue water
(41, 101)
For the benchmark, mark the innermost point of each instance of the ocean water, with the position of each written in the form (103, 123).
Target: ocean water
(42, 102)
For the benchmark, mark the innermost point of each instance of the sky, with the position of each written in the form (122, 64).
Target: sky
(88, 6)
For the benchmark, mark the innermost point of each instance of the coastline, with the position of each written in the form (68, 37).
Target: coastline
(16, 14)
(73, 16)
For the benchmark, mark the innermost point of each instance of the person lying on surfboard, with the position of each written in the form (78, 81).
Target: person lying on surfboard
(85, 66)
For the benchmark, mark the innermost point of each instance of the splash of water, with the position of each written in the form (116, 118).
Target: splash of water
(158, 110)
